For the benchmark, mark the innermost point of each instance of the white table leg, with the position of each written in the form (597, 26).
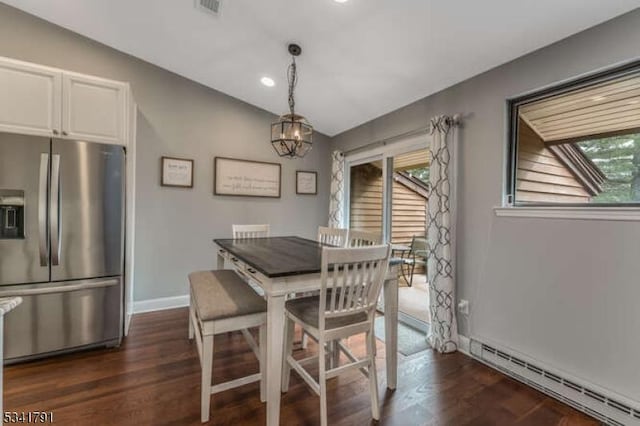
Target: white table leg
(220, 264)
(275, 340)
(391, 330)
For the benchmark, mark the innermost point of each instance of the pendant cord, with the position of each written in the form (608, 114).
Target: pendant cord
(292, 77)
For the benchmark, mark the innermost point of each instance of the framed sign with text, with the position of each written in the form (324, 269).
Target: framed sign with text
(176, 172)
(306, 183)
(246, 178)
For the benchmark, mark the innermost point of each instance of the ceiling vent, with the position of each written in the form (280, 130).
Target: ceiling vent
(209, 6)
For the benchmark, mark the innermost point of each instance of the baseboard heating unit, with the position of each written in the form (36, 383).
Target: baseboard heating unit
(607, 409)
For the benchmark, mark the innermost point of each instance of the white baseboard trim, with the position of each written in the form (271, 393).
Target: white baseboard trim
(464, 345)
(160, 304)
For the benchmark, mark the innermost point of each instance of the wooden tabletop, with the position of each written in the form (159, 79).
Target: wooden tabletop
(276, 256)
(279, 256)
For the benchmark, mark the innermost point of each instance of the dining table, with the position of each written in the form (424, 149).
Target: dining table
(283, 266)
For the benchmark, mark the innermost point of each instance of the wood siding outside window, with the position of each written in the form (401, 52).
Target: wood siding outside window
(542, 177)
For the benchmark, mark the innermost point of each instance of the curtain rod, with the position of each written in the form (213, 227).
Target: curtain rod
(385, 141)
(454, 122)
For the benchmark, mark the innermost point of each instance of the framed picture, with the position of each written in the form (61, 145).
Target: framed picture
(246, 178)
(176, 172)
(306, 182)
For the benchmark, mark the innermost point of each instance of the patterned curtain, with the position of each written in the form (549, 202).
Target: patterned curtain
(443, 332)
(336, 207)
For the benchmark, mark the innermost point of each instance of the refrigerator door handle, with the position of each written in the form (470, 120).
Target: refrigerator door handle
(55, 209)
(42, 209)
(60, 289)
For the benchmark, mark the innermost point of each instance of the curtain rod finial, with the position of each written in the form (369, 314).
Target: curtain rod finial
(455, 120)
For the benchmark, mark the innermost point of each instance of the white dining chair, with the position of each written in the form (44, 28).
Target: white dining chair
(333, 236)
(250, 231)
(363, 238)
(350, 279)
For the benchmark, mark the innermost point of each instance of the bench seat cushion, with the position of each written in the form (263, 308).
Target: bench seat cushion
(223, 294)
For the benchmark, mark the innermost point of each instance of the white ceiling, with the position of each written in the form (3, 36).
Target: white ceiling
(360, 59)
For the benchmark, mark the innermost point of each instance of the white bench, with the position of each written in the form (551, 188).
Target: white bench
(220, 301)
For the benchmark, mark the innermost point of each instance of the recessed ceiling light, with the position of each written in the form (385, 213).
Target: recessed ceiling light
(267, 81)
(340, 1)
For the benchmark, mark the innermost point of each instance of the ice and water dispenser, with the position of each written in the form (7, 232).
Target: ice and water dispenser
(11, 214)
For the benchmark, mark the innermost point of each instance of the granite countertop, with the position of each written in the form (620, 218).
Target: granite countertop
(7, 304)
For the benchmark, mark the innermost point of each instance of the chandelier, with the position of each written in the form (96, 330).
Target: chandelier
(291, 135)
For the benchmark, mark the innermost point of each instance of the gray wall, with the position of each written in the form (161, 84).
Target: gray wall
(562, 291)
(178, 117)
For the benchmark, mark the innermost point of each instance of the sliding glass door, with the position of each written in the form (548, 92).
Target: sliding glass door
(409, 202)
(366, 197)
(387, 193)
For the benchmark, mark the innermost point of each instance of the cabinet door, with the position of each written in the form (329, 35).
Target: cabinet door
(94, 109)
(30, 99)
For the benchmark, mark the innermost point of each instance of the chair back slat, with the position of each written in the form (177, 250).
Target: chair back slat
(333, 236)
(350, 290)
(335, 274)
(369, 271)
(346, 282)
(250, 231)
(363, 238)
(359, 290)
(354, 283)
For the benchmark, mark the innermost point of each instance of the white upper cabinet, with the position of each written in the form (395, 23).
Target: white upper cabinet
(30, 99)
(94, 109)
(38, 100)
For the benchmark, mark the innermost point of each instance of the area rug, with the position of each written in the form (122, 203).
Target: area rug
(410, 340)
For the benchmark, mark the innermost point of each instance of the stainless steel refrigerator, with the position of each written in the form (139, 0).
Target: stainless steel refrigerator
(61, 244)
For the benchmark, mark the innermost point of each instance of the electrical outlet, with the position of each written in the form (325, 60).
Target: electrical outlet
(463, 307)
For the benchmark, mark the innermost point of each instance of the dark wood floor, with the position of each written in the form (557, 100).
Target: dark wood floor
(153, 379)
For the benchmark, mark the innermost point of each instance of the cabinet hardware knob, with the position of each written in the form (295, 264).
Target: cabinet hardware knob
(55, 132)
(65, 133)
